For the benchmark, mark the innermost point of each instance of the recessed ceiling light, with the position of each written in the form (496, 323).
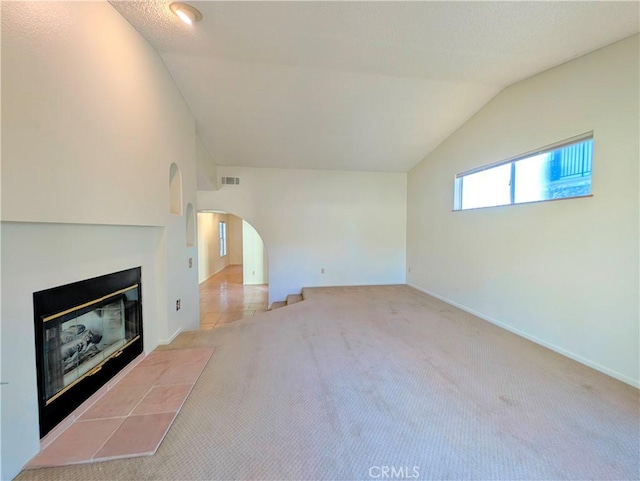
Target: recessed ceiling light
(186, 13)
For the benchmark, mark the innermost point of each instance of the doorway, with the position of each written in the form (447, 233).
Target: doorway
(232, 269)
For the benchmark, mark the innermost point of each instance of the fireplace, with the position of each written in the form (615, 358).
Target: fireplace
(86, 332)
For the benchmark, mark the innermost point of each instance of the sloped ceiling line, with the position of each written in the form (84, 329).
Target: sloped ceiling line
(366, 86)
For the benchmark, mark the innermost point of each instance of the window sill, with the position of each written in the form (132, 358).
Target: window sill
(524, 203)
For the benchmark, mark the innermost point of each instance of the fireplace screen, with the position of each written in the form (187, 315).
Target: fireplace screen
(86, 332)
(76, 343)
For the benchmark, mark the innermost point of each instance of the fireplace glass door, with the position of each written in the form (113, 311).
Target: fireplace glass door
(86, 333)
(79, 340)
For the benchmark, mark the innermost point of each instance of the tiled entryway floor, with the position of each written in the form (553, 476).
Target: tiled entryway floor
(133, 417)
(223, 298)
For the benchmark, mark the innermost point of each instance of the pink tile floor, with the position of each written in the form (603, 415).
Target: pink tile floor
(224, 299)
(134, 416)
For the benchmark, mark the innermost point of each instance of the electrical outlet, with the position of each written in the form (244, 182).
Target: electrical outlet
(409, 270)
(253, 273)
(178, 305)
(190, 262)
(322, 270)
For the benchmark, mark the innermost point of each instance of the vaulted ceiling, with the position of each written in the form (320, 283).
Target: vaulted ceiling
(369, 86)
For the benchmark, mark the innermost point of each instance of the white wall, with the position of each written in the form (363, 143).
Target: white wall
(564, 273)
(352, 224)
(91, 121)
(40, 256)
(91, 95)
(181, 280)
(255, 261)
(209, 260)
(206, 167)
(234, 239)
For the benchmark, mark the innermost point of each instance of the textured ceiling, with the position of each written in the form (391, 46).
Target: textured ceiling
(371, 86)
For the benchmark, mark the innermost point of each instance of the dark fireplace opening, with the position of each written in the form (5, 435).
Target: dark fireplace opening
(86, 332)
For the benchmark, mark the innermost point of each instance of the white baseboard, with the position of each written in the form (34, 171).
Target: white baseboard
(170, 340)
(537, 340)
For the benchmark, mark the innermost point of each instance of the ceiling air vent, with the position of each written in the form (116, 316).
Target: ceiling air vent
(230, 180)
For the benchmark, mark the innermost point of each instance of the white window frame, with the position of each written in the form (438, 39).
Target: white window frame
(457, 190)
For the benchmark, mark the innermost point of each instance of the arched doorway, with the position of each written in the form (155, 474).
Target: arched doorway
(232, 269)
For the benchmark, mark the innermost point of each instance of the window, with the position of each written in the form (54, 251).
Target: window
(223, 238)
(559, 171)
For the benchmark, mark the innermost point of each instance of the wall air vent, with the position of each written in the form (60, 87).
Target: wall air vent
(230, 180)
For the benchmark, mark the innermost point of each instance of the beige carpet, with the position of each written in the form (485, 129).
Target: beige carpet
(353, 380)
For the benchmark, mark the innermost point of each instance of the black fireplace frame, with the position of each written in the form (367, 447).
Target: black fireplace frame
(51, 301)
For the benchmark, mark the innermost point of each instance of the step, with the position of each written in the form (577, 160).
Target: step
(293, 298)
(278, 304)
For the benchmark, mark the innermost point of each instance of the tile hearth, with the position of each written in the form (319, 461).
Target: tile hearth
(133, 417)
